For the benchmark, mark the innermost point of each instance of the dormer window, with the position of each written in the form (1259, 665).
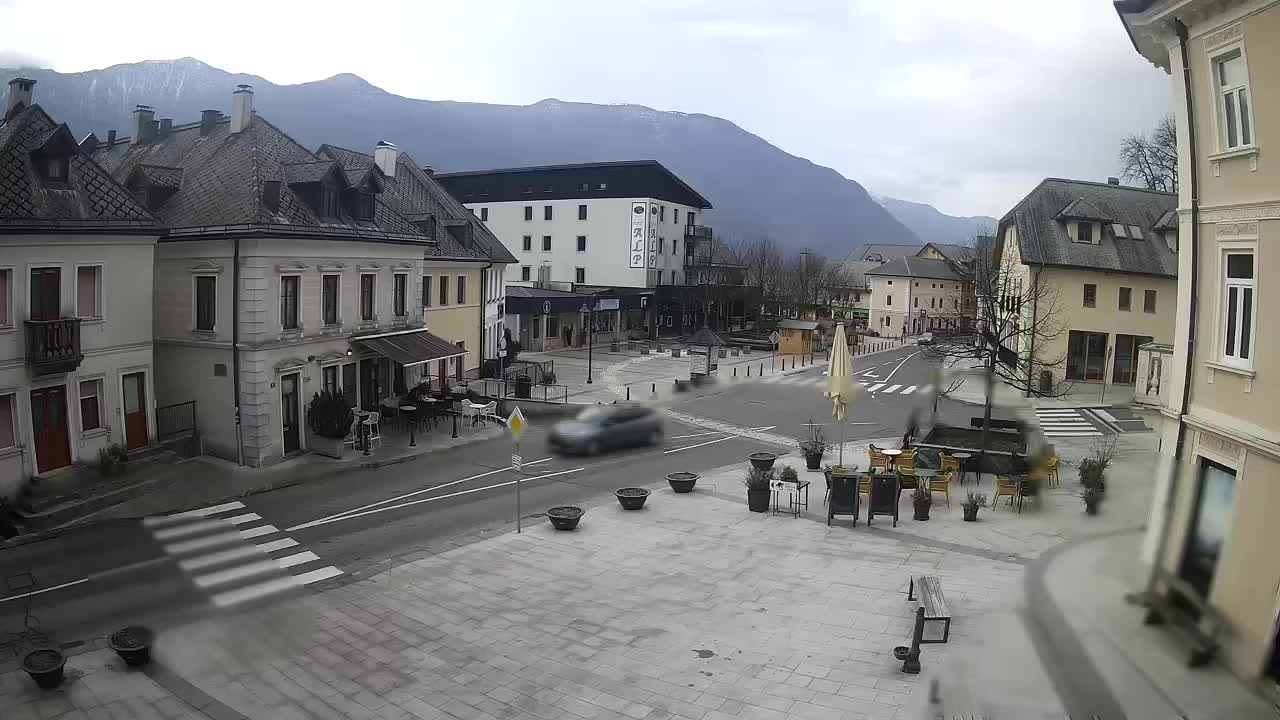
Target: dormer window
(365, 206)
(1084, 233)
(56, 169)
(329, 197)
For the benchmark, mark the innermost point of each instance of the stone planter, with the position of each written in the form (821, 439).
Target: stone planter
(565, 517)
(675, 352)
(45, 667)
(132, 644)
(328, 447)
(613, 347)
(682, 482)
(921, 512)
(970, 514)
(762, 460)
(758, 500)
(631, 498)
(813, 461)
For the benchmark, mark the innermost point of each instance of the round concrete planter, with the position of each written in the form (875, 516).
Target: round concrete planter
(565, 517)
(682, 482)
(631, 498)
(45, 666)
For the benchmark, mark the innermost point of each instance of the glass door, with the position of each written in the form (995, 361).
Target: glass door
(1125, 368)
(1210, 525)
(1086, 355)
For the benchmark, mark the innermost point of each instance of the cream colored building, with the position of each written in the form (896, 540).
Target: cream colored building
(284, 272)
(1099, 264)
(928, 292)
(1213, 521)
(76, 249)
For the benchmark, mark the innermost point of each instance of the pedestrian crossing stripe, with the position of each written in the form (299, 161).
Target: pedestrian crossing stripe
(1065, 423)
(802, 380)
(235, 555)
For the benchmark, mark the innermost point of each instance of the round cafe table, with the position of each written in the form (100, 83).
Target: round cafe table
(893, 457)
(964, 458)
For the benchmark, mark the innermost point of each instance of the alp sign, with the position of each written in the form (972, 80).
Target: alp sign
(639, 232)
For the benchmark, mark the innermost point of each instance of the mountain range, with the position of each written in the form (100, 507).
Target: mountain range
(928, 223)
(757, 189)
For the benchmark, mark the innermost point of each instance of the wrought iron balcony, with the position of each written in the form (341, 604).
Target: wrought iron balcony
(697, 232)
(53, 346)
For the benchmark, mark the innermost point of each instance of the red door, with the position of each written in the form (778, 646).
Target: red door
(135, 410)
(49, 425)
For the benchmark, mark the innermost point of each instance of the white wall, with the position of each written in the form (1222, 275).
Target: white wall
(607, 229)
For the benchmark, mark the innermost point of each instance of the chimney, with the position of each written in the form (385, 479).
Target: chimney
(165, 126)
(1113, 181)
(143, 124)
(19, 96)
(208, 118)
(384, 156)
(241, 108)
(430, 171)
(111, 138)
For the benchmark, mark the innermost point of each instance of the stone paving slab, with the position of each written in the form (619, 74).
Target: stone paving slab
(98, 686)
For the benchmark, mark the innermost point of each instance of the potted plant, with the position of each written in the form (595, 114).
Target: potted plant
(108, 465)
(132, 644)
(1092, 496)
(45, 666)
(972, 502)
(330, 420)
(1093, 468)
(757, 482)
(921, 501)
(565, 517)
(631, 498)
(682, 482)
(814, 447)
(762, 460)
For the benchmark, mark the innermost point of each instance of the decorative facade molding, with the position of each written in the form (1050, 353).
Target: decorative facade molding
(1239, 214)
(402, 266)
(292, 266)
(290, 363)
(369, 266)
(1226, 35)
(330, 358)
(1247, 229)
(332, 267)
(205, 267)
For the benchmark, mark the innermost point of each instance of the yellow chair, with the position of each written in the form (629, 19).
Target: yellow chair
(879, 461)
(1051, 470)
(907, 469)
(948, 463)
(864, 485)
(942, 483)
(1006, 486)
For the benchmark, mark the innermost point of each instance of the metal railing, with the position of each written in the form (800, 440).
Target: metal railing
(53, 346)
(176, 420)
(697, 232)
(509, 389)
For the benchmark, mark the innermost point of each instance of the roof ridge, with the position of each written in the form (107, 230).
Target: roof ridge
(1108, 185)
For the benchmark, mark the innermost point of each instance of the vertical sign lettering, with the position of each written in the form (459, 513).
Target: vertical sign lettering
(639, 232)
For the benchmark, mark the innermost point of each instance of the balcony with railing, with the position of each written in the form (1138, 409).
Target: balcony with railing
(53, 346)
(697, 232)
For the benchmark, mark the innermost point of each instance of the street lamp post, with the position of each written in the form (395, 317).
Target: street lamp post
(590, 312)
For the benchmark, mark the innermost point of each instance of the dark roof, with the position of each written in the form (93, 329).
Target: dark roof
(885, 252)
(537, 292)
(623, 179)
(706, 336)
(799, 324)
(91, 198)
(855, 272)
(955, 253)
(1043, 239)
(917, 267)
(412, 348)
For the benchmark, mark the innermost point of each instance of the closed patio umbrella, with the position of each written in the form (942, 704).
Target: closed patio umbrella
(840, 385)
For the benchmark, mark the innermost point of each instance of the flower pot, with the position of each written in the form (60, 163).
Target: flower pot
(682, 482)
(45, 666)
(565, 517)
(758, 500)
(921, 512)
(901, 651)
(675, 352)
(1091, 508)
(762, 460)
(970, 514)
(613, 347)
(326, 446)
(132, 644)
(813, 461)
(631, 498)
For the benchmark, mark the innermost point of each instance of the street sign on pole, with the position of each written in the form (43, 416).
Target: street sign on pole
(516, 461)
(517, 424)
(774, 337)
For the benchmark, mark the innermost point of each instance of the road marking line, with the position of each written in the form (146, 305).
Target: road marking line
(204, 543)
(891, 390)
(213, 510)
(44, 590)
(323, 573)
(239, 572)
(297, 559)
(909, 390)
(411, 494)
(242, 519)
(900, 364)
(1072, 434)
(217, 558)
(272, 586)
(684, 437)
(258, 531)
(275, 545)
(709, 442)
(194, 528)
(326, 521)
(875, 387)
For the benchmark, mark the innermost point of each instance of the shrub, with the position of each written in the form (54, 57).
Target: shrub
(328, 416)
(975, 500)
(757, 479)
(788, 474)
(921, 497)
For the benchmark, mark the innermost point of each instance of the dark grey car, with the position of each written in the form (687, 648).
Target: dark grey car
(605, 427)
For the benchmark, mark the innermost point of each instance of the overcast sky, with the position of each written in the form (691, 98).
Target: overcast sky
(964, 104)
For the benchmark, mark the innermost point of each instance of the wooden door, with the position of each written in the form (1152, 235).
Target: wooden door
(135, 410)
(46, 293)
(289, 412)
(49, 426)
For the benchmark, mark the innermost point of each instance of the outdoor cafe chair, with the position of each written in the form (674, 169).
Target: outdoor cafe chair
(906, 467)
(1007, 486)
(942, 483)
(879, 461)
(1051, 470)
(372, 428)
(353, 432)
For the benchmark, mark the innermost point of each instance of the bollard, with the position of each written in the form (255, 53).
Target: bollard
(748, 371)
(653, 388)
(628, 392)
(911, 663)
(735, 372)
(760, 372)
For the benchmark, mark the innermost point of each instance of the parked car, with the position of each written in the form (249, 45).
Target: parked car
(606, 427)
(925, 339)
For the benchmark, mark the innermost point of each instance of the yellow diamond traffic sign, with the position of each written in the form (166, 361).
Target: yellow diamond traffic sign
(516, 423)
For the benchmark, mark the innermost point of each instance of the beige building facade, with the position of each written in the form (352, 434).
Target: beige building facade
(917, 294)
(1213, 520)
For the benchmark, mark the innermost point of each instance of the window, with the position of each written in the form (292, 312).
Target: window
(524, 273)
(673, 277)
(889, 282)
(429, 227)
(349, 384)
(367, 283)
(1090, 295)
(662, 213)
(528, 212)
(458, 361)
(55, 170)
(329, 299)
(206, 302)
(673, 246)
(527, 243)
(89, 291)
(917, 301)
(546, 243)
(1086, 355)
(662, 245)
(329, 379)
(462, 289)
(366, 206)
(444, 290)
(582, 212)
(329, 197)
(90, 405)
(1237, 311)
(484, 214)
(582, 243)
(399, 291)
(931, 303)
(1126, 296)
(1232, 79)
(6, 297)
(289, 302)
(546, 212)
(1084, 233)
(8, 433)
(675, 216)
(579, 275)
(888, 300)
(426, 291)
(1149, 301)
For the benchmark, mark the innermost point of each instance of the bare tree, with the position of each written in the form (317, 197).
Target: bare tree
(1152, 160)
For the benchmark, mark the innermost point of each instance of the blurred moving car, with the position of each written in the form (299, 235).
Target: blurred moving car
(605, 427)
(925, 339)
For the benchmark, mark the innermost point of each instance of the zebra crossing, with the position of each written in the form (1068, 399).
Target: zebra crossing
(1068, 422)
(804, 379)
(234, 555)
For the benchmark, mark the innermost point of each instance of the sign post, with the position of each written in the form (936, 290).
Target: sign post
(517, 425)
(774, 337)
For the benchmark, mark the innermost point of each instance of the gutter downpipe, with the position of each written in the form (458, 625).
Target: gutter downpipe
(1035, 314)
(484, 305)
(235, 344)
(1171, 496)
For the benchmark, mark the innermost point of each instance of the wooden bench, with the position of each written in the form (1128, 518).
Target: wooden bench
(933, 602)
(1201, 622)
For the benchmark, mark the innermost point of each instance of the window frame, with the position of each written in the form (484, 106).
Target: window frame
(97, 398)
(526, 273)
(1086, 300)
(325, 371)
(547, 212)
(195, 303)
(297, 302)
(337, 300)
(7, 300)
(1124, 299)
(400, 295)
(546, 243)
(329, 204)
(98, 279)
(1217, 58)
(1152, 306)
(580, 275)
(582, 243)
(528, 213)
(582, 212)
(13, 420)
(443, 291)
(484, 214)
(372, 295)
(462, 290)
(1224, 308)
(426, 291)
(527, 243)
(1080, 237)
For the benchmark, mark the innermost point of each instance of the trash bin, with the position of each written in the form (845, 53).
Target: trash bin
(524, 386)
(1046, 381)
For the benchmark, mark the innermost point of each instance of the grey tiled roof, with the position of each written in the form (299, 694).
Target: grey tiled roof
(1082, 209)
(917, 267)
(166, 177)
(1043, 239)
(886, 252)
(954, 253)
(92, 197)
